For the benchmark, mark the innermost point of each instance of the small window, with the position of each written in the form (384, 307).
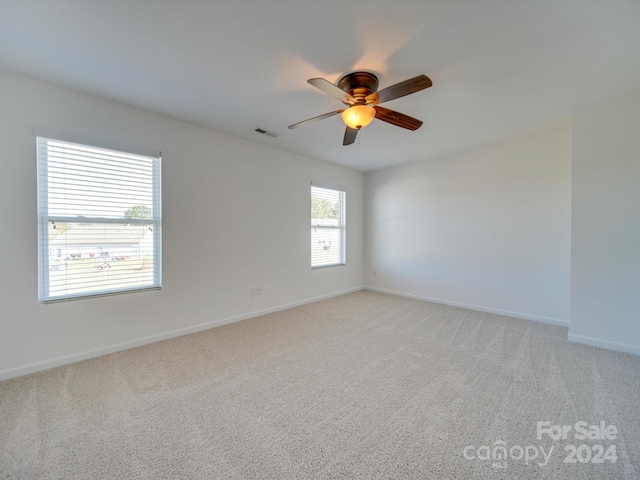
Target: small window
(100, 221)
(328, 226)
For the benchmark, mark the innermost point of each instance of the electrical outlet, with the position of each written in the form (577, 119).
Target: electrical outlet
(255, 291)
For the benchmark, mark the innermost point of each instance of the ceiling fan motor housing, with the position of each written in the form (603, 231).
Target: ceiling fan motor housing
(359, 85)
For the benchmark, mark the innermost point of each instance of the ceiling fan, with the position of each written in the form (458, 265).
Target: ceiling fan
(359, 91)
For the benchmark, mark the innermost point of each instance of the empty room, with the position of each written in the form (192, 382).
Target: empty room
(280, 239)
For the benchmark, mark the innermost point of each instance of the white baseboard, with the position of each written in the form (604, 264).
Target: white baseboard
(596, 342)
(98, 352)
(524, 316)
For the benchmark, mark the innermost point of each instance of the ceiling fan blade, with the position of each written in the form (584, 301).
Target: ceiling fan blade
(398, 119)
(330, 89)
(350, 135)
(399, 90)
(315, 119)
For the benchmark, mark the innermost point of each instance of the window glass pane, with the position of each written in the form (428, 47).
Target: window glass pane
(96, 258)
(326, 247)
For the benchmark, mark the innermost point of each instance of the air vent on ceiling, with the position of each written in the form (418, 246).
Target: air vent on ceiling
(265, 132)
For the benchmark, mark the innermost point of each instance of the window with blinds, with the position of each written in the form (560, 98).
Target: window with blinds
(99, 213)
(328, 225)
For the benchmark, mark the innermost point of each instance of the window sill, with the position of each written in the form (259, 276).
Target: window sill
(328, 266)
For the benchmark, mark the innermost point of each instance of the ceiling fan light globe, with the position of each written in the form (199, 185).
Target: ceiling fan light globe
(358, 116)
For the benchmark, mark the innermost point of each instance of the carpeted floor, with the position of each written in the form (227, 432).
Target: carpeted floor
(361, 386)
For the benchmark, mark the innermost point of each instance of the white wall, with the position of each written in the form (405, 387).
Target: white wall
(605, 250)
(236, 215)
(487, 228)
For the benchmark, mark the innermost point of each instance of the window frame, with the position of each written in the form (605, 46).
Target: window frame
(43, 240)
(341, 227)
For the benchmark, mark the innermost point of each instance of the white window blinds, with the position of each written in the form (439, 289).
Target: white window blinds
(99, 214)
(328, 226)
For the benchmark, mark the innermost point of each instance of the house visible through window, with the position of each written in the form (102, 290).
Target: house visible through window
(99, 214)
(328, 225)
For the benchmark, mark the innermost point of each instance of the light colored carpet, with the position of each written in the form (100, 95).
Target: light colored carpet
(361, 386)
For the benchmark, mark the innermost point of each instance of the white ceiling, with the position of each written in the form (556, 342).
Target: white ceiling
(499, 68)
